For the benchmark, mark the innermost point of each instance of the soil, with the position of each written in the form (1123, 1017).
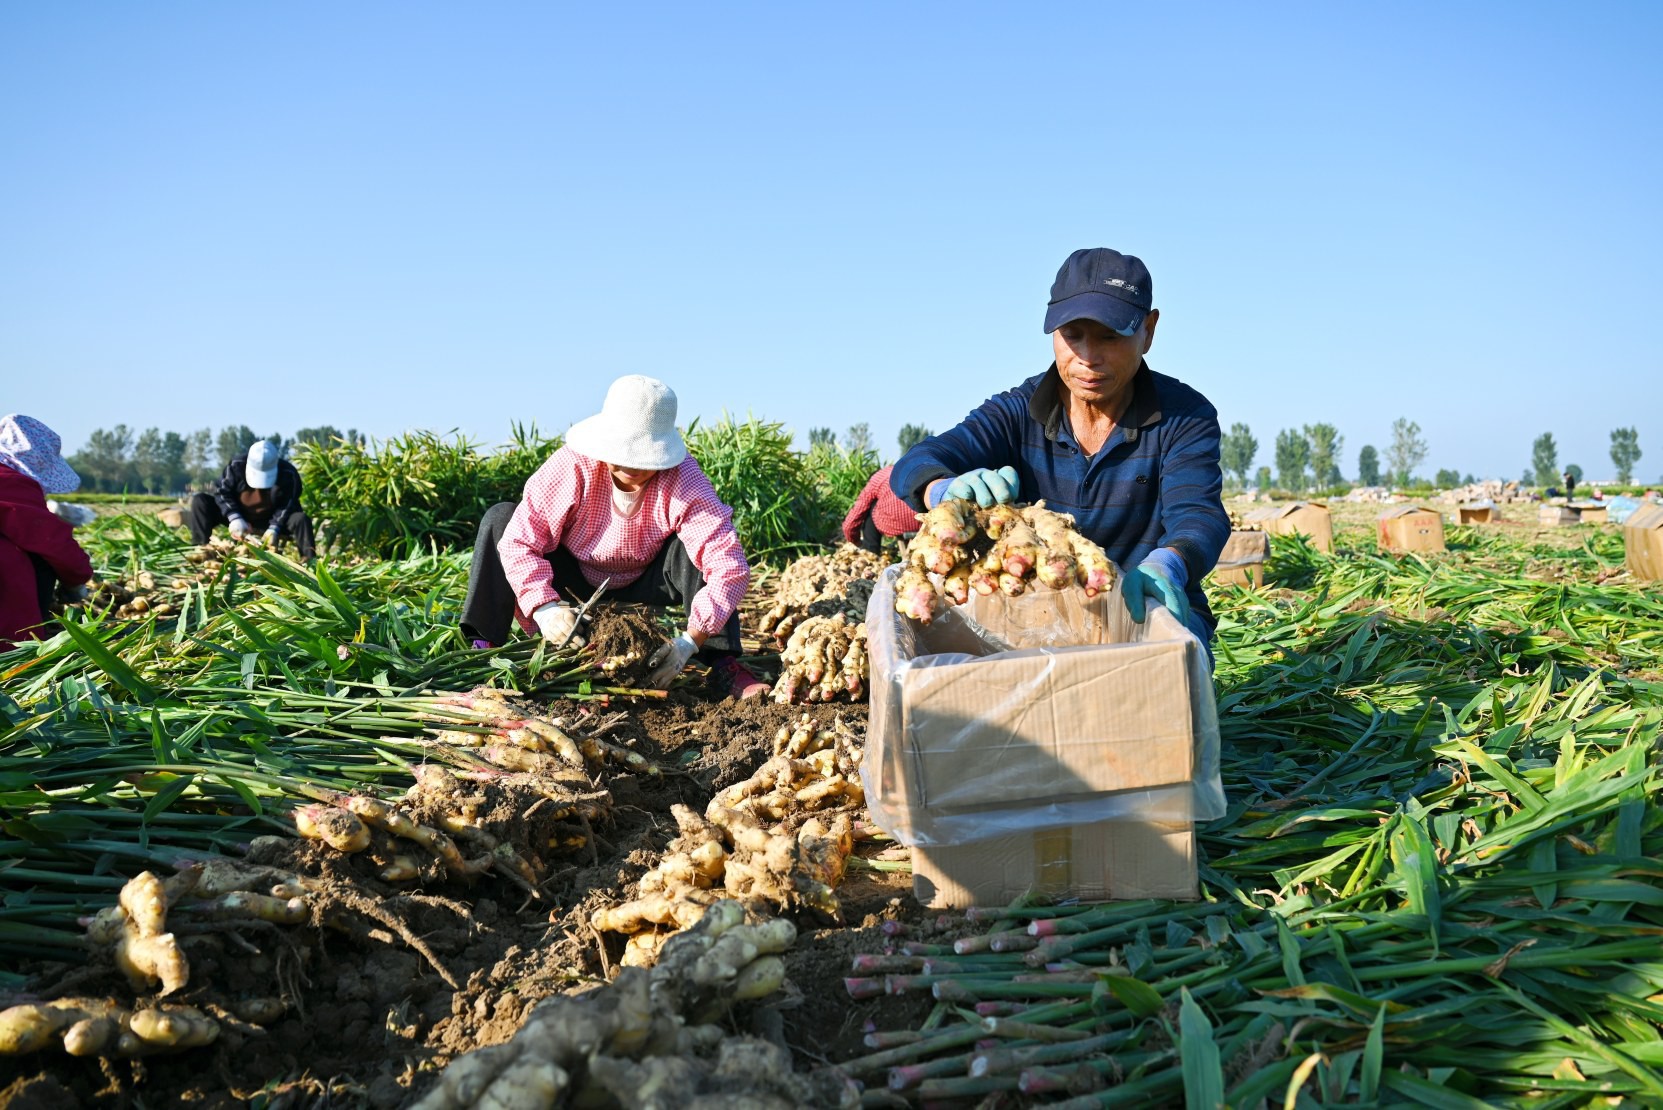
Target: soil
(370, 1017)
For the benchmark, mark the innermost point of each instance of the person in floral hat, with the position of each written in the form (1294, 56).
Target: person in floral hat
(38, 551)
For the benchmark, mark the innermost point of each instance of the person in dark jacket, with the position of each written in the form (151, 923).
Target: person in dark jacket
(38, 552)
(1131, 454)
(258, 499)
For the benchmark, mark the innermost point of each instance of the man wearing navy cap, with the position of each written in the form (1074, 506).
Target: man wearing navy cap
(1131, 454)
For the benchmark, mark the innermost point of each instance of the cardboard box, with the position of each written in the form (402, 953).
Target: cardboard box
(1096, 861)
(1310, 518)
(1589, 512)
(1556, 516)
(1405, 528)
(1005, 760)
(172, 517)
(1477, 512)
(1242, 561)
(1643, 543)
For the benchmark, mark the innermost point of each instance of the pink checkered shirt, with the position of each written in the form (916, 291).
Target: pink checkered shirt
(568, 503)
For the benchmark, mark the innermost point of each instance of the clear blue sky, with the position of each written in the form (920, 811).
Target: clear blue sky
(393, 216)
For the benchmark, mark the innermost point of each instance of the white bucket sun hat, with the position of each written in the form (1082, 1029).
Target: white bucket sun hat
(31, 448)
(636, 427)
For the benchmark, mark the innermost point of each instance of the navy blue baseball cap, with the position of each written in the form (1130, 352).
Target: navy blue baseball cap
(1104, 285)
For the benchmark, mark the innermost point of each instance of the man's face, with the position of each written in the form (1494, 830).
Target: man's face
(1098, 364)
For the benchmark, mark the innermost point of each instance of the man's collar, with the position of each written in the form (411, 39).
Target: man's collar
(1143, 411)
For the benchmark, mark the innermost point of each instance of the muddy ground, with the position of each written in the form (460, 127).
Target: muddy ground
(370, 1020)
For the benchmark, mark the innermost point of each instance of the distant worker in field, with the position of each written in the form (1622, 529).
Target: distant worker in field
(258, 499)
(621, 500)
(38, 553)
(877, 513)
(1569, 478)
(1131, 454)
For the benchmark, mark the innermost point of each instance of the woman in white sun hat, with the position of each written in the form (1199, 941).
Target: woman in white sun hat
(621, 500)
(37, 550)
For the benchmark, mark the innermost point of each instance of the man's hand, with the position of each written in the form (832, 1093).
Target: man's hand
(986, 487)
(271, 537)
(668, 661)
(239, 527)
(1149, 580)
(556, 621)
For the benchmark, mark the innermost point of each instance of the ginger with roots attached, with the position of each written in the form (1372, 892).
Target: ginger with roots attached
(1005, 549)
(651, 1038)
(778, 840)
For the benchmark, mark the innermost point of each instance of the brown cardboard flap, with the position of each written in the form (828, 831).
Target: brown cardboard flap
(1043, 725)
(1308, 518)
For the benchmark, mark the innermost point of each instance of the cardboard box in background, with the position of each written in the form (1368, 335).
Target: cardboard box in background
(1477, 512)
(1588, 512)
(1405, 528)
(1096, 861)
(1242, 561)
(1310, 518)
(1643, 543)
(1556, 516)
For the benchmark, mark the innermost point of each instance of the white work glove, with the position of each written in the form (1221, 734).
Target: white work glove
(239, 527)
(555, 620)
(668, 661)
(271, 537)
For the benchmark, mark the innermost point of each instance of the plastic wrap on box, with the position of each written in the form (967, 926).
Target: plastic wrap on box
(1007, 715)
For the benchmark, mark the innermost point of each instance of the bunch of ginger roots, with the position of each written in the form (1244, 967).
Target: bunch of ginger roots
(817, 622)
(1005, 549)
(778, 841)
(651, 1039)
(146, 947)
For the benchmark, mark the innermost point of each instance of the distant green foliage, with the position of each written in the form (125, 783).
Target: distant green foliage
(779, 510)
(1625, 452)
(1293, 452)
(1368, 466)
(840, 476)
(1326, 442)
(401, 494)
(1236, 451)
(1408, 450)
(1544, 460)
(1447, 479)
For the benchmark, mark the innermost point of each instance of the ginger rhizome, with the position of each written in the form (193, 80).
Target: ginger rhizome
(961, 549)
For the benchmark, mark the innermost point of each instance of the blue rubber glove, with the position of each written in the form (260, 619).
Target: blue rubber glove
(1155, 577)
(986, 487)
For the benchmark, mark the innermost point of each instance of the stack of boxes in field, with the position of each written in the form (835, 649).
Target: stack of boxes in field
(1643, 543)
(1308, 518)
(1040, 743)
(1406, 528)
(1242, 562)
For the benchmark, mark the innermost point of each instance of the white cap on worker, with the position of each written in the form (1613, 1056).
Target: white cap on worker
(262, 464)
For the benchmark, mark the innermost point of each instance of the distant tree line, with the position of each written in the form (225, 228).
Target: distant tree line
(116, 460)
(1307, 459)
